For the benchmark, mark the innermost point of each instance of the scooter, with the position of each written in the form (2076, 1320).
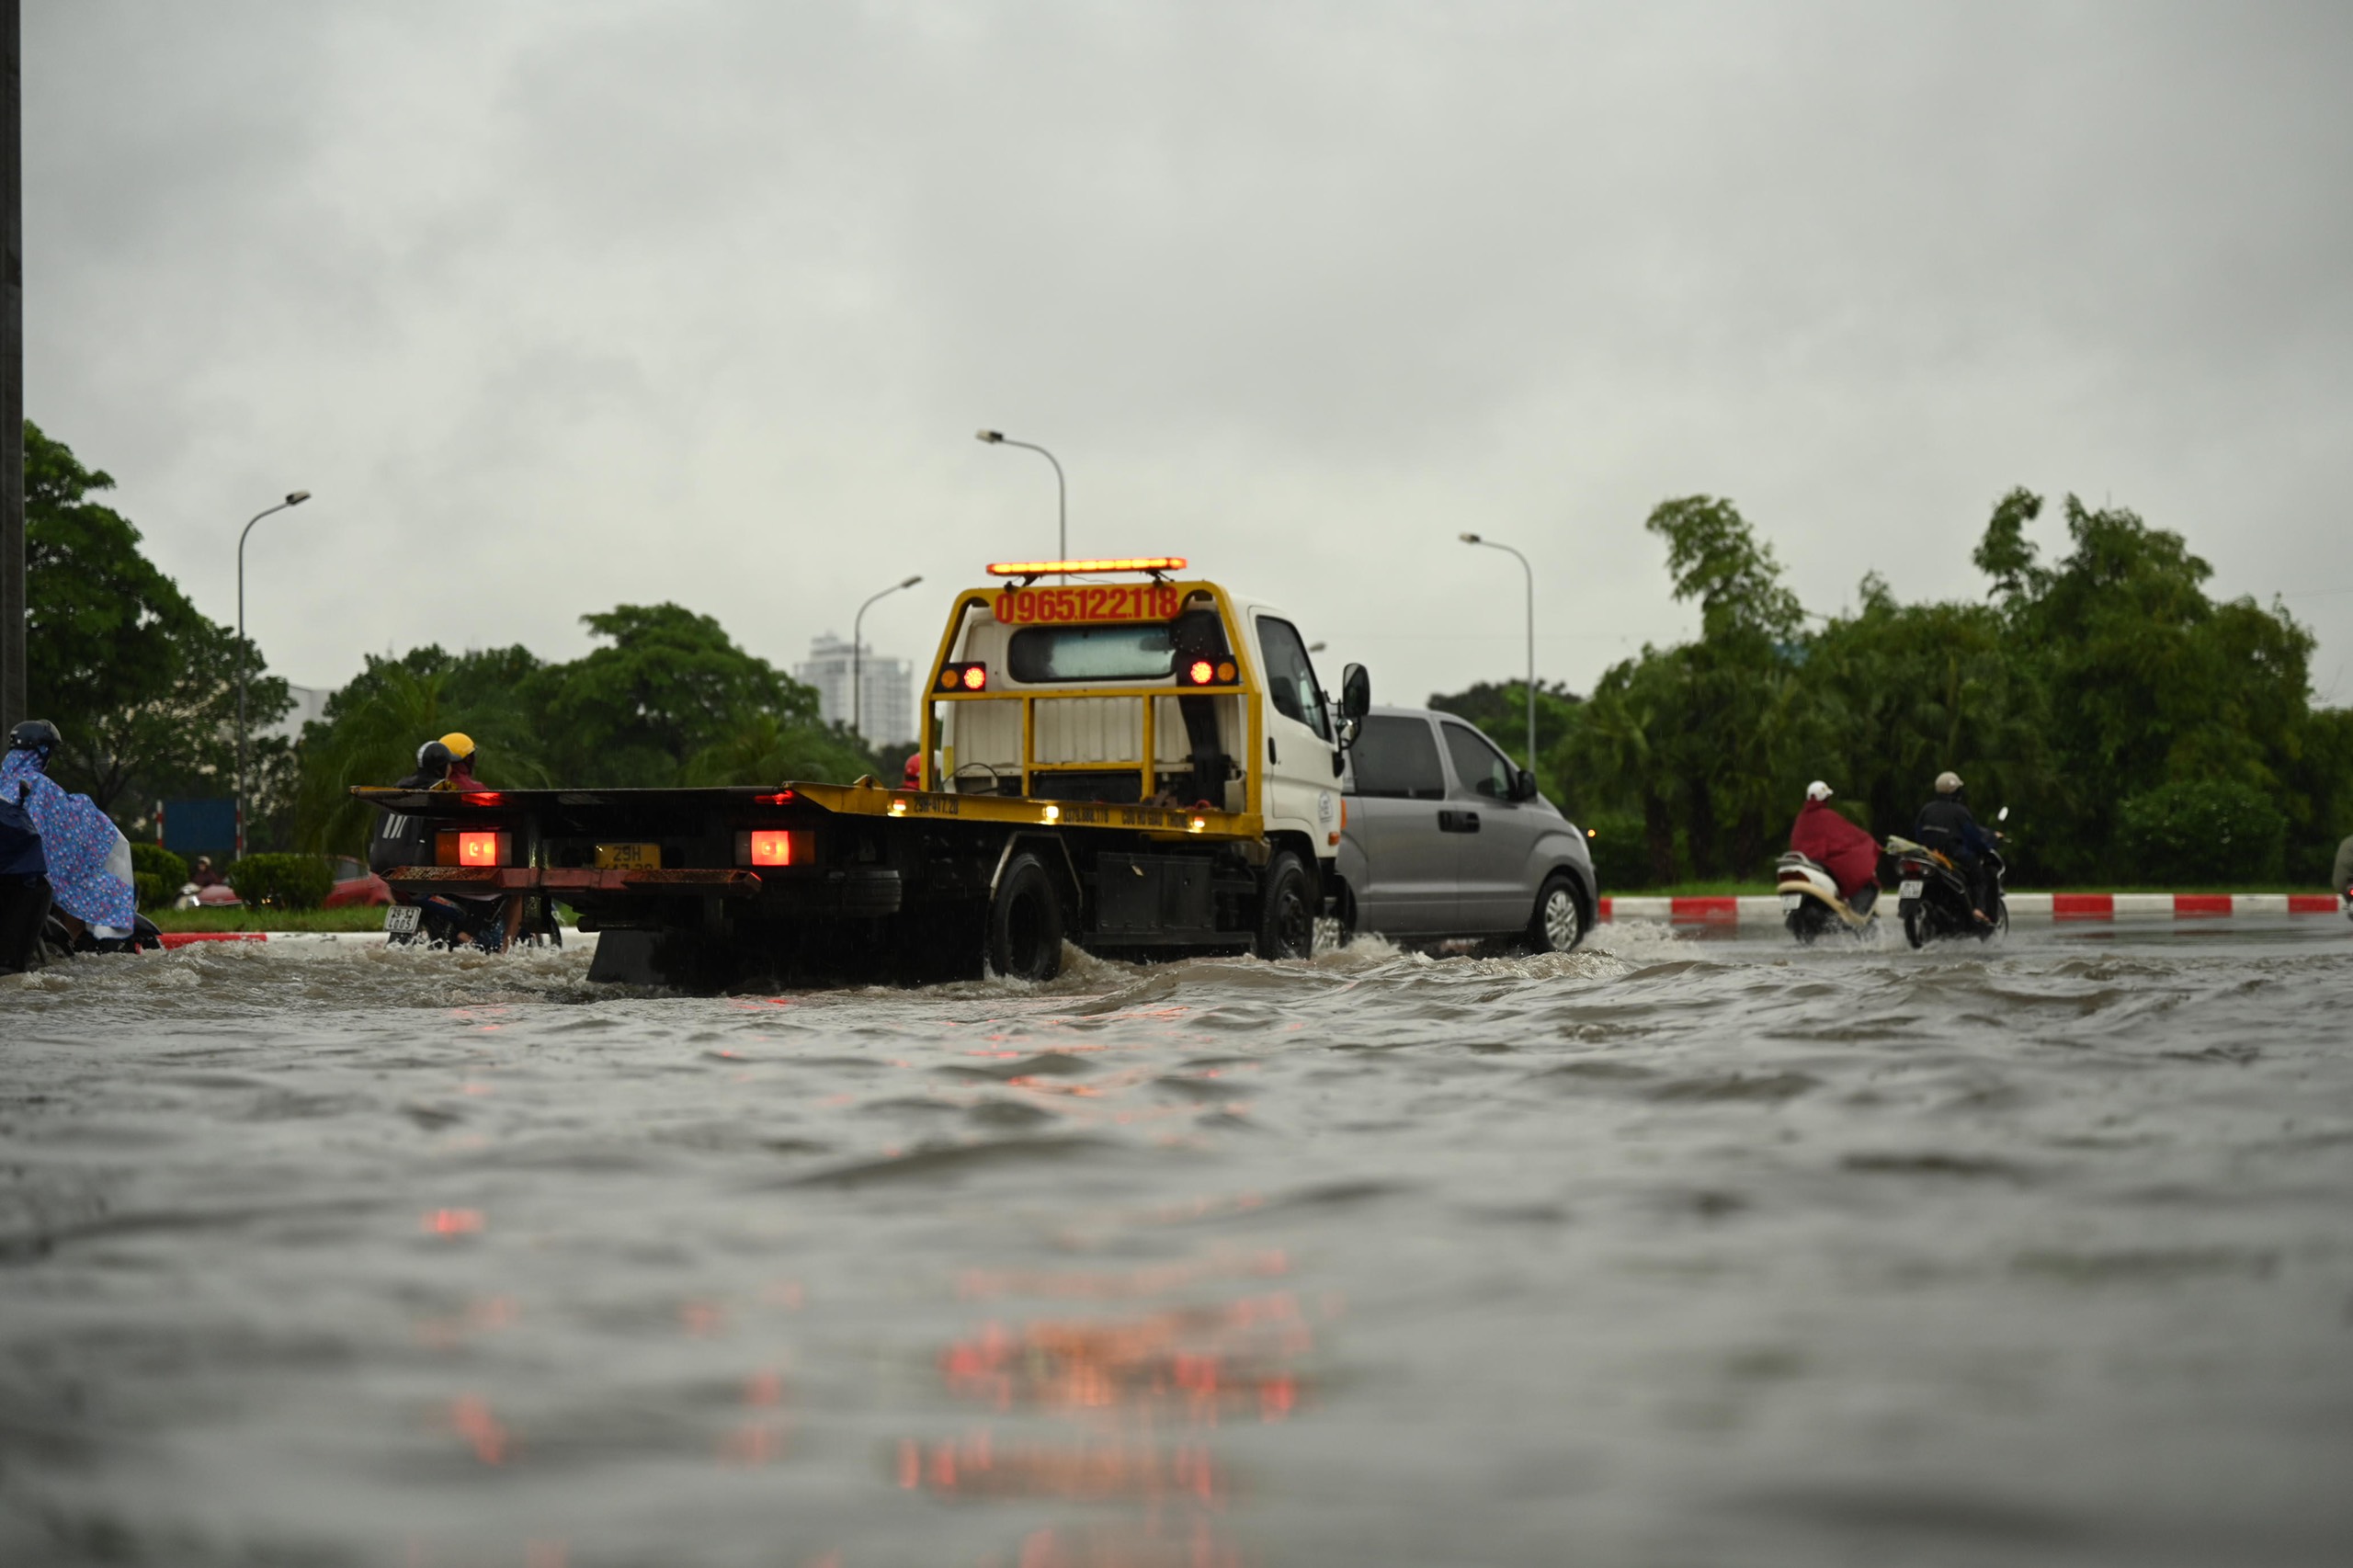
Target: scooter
(441, 921)
(1933, 896)
(1810, 900)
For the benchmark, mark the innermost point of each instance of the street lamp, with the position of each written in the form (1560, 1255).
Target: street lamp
(857, 647)
(1061, 491)
(1524, 567)
(294, 499)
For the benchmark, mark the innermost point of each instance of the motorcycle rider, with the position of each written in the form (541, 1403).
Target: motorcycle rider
(461, 747)
(89, 860)
(1838, 847)
(1945, 824)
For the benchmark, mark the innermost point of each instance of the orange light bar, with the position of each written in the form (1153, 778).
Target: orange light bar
(1120, 564)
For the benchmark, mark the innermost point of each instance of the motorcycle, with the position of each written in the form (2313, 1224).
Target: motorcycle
(1933, 896)
(1810, 900)
(441, 921)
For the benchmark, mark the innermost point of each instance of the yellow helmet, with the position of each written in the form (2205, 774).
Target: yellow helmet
(460, 745)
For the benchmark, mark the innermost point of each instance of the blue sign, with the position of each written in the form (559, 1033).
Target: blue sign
(199, 827)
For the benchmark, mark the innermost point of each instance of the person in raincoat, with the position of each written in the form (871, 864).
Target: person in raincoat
(89, 860)
(1838, 847)
(2344, 875)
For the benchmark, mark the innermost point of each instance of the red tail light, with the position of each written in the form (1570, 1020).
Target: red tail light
(1200, 672)
(963, 678)
(477, 848)
(774, 847)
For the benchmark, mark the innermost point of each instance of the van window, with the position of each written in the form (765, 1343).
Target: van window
(1290, 679)
(1482, 769)
(1397, 759)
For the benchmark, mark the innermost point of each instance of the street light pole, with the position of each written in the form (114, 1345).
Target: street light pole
(1524, 567)
(857, 652)
(294, 499)
(1061, 490)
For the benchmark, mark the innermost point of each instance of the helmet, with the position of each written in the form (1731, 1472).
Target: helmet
(460, 745)
(1948, 783)
(36, 735)
(434, 758)
(1817, 790)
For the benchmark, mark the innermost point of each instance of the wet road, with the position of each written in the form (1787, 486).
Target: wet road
(1668, 1252)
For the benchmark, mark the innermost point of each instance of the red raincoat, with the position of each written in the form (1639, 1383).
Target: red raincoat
(1837, 845)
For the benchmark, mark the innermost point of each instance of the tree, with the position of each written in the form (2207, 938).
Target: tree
(141, 685)
(672, 685)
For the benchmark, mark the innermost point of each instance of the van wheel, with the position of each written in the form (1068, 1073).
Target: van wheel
(1286, 911)
(1558, 921)
(1026, 923)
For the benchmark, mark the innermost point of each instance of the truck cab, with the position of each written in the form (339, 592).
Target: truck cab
(1167, 691)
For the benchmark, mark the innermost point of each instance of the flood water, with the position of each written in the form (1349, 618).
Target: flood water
(1669, 1252)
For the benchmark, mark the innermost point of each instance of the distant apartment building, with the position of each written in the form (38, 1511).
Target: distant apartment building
(886, 708)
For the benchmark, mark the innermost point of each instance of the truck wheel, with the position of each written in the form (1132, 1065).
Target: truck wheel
(1025, 922)
(1558, 921)
(1286, 911)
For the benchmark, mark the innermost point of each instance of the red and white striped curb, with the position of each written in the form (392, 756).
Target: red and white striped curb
(1730, 910)
(584, 940)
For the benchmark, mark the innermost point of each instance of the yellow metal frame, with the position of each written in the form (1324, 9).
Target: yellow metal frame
(1244, 685)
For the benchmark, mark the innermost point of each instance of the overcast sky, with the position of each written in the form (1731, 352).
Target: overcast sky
(557, 304)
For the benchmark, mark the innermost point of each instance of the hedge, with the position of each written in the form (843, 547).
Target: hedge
(2205, 830)
(283, 881)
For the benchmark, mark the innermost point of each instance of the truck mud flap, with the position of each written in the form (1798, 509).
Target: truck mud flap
(1153, 899)
(629, 958)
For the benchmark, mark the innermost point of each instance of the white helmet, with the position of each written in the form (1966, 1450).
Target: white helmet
(1947, 781)
(1817, 790)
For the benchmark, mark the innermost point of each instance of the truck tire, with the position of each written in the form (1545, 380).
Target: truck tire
(1286, 910)
(1025, 922)
(1558, 923)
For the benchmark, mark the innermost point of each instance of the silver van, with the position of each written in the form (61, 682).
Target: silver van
(1444, 837)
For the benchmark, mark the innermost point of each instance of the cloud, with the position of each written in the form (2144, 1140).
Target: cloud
(558, 305)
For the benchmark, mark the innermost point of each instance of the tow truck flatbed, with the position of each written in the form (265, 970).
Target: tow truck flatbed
(1048, 809)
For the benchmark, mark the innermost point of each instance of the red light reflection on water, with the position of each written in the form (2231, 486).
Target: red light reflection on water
(487, 1315)
(976, 1465)
(1203, 1360)
(453, 1221)
(471, 1415)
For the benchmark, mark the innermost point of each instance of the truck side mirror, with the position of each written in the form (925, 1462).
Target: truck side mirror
(1355, 693)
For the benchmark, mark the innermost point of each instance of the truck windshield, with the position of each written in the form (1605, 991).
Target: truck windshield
(1039, 654)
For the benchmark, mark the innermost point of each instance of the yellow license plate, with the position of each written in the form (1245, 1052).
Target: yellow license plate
(629, 857)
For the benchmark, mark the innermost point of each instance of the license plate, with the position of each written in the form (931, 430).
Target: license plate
(401, 919)
(629, 857)
(1908, 890)
(1791, 900)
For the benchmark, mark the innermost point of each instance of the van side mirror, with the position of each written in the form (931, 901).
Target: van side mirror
(1523, 785)
(1355, 693)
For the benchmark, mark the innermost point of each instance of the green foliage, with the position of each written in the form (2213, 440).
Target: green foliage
(154, 859)
(283, 881)
(141, 685)
(672, 685)
(371, 729)
(2109, 672)
(1502, 712)
(1622, 857)
(2208, 830)
(152, 891)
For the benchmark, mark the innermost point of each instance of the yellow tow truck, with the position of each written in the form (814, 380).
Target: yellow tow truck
(1112, 754)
